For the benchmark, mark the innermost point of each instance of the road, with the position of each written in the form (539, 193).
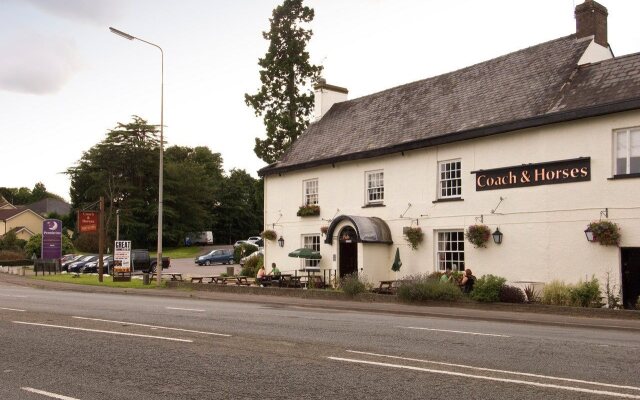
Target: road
(71, 345)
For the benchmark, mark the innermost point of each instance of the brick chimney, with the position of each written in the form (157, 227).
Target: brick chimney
(325, 96)
(591, 20)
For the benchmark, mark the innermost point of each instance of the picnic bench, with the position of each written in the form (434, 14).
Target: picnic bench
(386, 287)
(315, 282)
(174, 276)
(199, 279)
(241, 280)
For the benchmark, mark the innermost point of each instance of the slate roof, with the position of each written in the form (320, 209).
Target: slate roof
(531, 87)
(6, 214)
(49, 205)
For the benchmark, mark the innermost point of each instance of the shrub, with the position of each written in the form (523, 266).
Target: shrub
(11, 242)
(418, 288)
(532, 294)
(268, 234)
(352, 285)
(34, 244)
(487, 288)
(511, 294)
(556, 293)
(243, 250)
(586, 294)
(9, 255)
(414, 236)
(478, 235)
(15, 263)
(251, 267)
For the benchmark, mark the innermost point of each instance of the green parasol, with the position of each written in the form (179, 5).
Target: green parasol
(397, 263)
(306, 253)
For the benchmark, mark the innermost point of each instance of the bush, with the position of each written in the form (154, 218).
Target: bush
(511, 294)
(352, 285)
(11, 242)
(532, 294)
(243, 250)
(487, 288)
(586, 294)
(556, 293)
(418, 288)
(251, 267)
(34, 244)
(9, 255)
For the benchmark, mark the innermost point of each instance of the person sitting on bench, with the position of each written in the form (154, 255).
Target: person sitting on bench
(261, 275)
(274, 270)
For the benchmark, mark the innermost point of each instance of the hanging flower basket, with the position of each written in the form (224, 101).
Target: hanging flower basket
(414, 236)
(268, 234)
(309, 210)
(478, 235)
(324, 229)
(607, 233)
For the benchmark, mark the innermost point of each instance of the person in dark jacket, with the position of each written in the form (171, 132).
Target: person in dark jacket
(467, 281)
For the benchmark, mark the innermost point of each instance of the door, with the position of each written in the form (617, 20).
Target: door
(630, 276)
(348, 243)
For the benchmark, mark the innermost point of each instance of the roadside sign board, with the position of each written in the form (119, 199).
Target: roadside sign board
(122, 254)
(88, 221)
(51, 246)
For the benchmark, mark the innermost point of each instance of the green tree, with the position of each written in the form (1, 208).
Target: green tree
(285, 99)
(34, 245)
(238, 214)
(23, 195)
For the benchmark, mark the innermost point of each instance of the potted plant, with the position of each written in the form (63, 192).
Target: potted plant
(478, 235)
(324, 229)
(308, 210)
(269, 234)
(414, 236)
(607, 233)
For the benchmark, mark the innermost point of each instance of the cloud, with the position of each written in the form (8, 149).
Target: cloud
(36, 64)
(92, 11)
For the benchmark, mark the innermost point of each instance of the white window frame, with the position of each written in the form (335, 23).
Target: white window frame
(451, 248)
(311, 241)
(629, 132)
(448, 182)
(309, 196)
(374, 190)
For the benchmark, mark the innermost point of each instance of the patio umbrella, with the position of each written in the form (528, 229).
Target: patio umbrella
(306, 253)
(397, 263)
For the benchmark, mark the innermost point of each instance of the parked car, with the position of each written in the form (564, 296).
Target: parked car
(76, 265)
(223, 256)
(239, 242)
(67, 257)
(65, 264)
(254, 240)
(259, 253)
(141, 261)
(92, 266)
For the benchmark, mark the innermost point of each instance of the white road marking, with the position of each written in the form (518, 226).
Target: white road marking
(154, 326)
(48, 394)
(497, 370)
(11, 309)
(185, 309)
(450, 331)
(101, 331)
(489, 378)
(13, 295)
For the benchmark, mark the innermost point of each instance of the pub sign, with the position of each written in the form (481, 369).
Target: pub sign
(88, 221)
(547, 173)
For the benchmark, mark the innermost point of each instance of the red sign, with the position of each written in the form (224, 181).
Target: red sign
(88, 221)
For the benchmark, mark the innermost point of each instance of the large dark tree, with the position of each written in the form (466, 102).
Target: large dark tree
(285, 99)
(239, 212)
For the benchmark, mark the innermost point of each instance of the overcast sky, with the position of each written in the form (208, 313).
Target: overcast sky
(65, 80)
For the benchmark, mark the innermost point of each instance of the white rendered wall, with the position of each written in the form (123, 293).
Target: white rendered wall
(542, 225)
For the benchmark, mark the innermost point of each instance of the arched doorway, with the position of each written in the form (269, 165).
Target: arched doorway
(348, 243)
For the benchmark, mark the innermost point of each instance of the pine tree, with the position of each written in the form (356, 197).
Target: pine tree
(285, 99)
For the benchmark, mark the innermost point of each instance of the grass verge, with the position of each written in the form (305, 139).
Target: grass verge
(92, 280)
(180, 252)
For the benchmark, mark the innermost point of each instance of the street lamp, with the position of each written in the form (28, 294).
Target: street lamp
(160, 173)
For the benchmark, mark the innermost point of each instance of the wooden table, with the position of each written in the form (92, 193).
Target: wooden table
(242, 281)
(199, 279)
(386, 287)
(174, 276)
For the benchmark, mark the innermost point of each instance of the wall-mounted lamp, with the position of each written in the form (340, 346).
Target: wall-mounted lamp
(589, 234)
(281, 242)
(497, 236)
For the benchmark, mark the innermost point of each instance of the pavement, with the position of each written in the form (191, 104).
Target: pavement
(286, 298)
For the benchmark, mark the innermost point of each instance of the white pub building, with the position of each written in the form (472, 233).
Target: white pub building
(535, 144)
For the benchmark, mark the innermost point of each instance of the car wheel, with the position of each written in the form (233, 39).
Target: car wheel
(152, 269)
(207, 263)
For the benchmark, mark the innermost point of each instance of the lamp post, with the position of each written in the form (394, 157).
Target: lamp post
(160, 171)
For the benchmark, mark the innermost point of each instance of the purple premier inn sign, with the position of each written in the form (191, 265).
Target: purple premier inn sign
(51, 239)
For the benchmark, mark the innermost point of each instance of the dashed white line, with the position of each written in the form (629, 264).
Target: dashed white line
(102, 331)
(185, 309)
(12, 309)
(13, 295)
(501, 371)
(154, 326)
(450, 331)
(48, 394)
(489, 378)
